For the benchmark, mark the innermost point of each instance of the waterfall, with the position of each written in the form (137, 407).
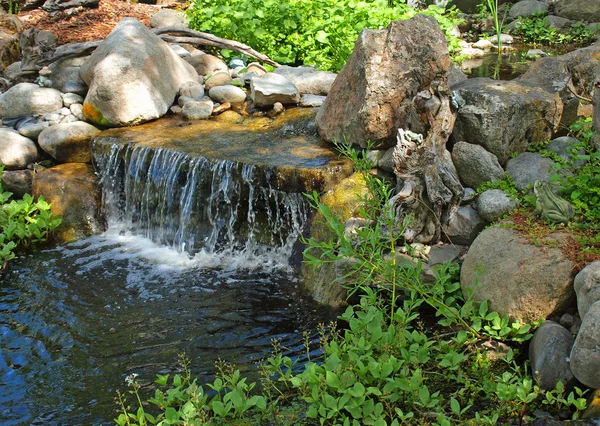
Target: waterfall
(200, 206)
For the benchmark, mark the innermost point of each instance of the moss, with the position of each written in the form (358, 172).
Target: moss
(94, 115)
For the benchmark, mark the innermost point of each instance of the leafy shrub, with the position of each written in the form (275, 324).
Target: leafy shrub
(22, 223)
(311, 32)
(537, 30)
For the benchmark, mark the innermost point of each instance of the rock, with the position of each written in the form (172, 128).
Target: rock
(504, 116)
(475, 165)
(535, 53)
(470, 195)
(11, 22)
(313, 101)
(582, 65)
(344, 202)
(75, 197)
(235, 63)
(578, 10)
(207, 64)
(504, 39)
(438, 255)
(168, 18)
(217, 110)
(180, 51)
(198, 110)
(77, 111)
(16, 151)
(192, 90)
(563, 146)
(527, 8)
(372, 96)
(29, 99)
(552, 75)
(558, 23)
(524, 281)
(182, 100)
(528, 167)
(220, 78)
(308, 80)
(456, 76)
(69, 142)
(227, 93)
(271, 88)
(472, 52)
(256, 69)
(549, 351)
(56, 5)
(585, 357)
(494, 204)
(464, 226)
(139, 71)
(75, 87)
(176, 109)
(12, 71)
(483, 44)
(17, 181)
(587, 288)
(9, 47)
(33, 130)
(71, 98)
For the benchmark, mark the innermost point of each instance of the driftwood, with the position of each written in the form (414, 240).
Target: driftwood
(39, 47)
(206, 39)
(428, 191)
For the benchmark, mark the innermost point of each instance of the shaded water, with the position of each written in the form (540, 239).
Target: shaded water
(198, 258)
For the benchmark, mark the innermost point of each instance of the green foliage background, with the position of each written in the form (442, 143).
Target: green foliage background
(321, 33)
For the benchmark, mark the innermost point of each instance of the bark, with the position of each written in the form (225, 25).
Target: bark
(428, 191)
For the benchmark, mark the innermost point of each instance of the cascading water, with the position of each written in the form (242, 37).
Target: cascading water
(196, 259)
(200, 207)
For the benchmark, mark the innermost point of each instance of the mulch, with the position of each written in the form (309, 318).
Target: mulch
(85, 24)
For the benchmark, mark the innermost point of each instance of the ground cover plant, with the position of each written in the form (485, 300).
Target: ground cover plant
(536, 30)
(407, 352)
(22, 223)
(321, 33)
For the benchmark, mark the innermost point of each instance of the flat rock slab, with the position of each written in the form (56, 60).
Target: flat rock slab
(291, 157)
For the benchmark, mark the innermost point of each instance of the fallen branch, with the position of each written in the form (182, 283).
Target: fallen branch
(207, 39)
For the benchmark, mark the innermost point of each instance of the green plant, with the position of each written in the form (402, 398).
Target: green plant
(536, 30)
(311, 32)
(492, 7)
(22, 223)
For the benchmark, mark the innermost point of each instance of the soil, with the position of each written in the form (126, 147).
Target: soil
(87, 24)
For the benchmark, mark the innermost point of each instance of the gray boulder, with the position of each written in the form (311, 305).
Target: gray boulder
(552, 75)
(308, 80)
(549, 351)
(527, 8)
(69, 142)
(578, 10)
(16, 151)
(198, 110)
(494, 204)
(29, 99)
(504, 116)
(475, 165)
(528, 167)
(372, 96)
(139, 71)
(464, 226)
(33, 130)
(227, 93)
(271, 88)
(65, 75)
(17, 181)
(563, 147)
(587, 288)
(524, 281)
(585, 357)
(192, 89)
(168, 18)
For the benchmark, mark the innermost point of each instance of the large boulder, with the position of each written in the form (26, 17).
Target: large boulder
(372, 96)
(505, 116)
(25, 99)
(69, 142)
(524, 281)
(16, 151)
(75, 195)
(578, 10)
(552, 75)
(133, 77)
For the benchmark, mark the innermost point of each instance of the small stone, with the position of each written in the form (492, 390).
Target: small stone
(17, 181)
(529, 167)
(176, 109)
(221, 108)
(77, 111)
(504, 39)
(16, 151)
(468, 196)
(536, 53)
(168, 18)
(313, 101)
(182, 100)
(54, 116)
(475, 165)
(218, 79)
(69, 119)
(33, 130)
(257, 69)
(205, 64)
(76, 87)
(180, 51)
(463, 226)
(494, 204)
(549, 352)
(277, 109)
(472, 52)
(71, 98)
(192, 89)
(64, 111)
(483, 44)
(228, 93)
(272, 88)
(198, 110)
(237, 63)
